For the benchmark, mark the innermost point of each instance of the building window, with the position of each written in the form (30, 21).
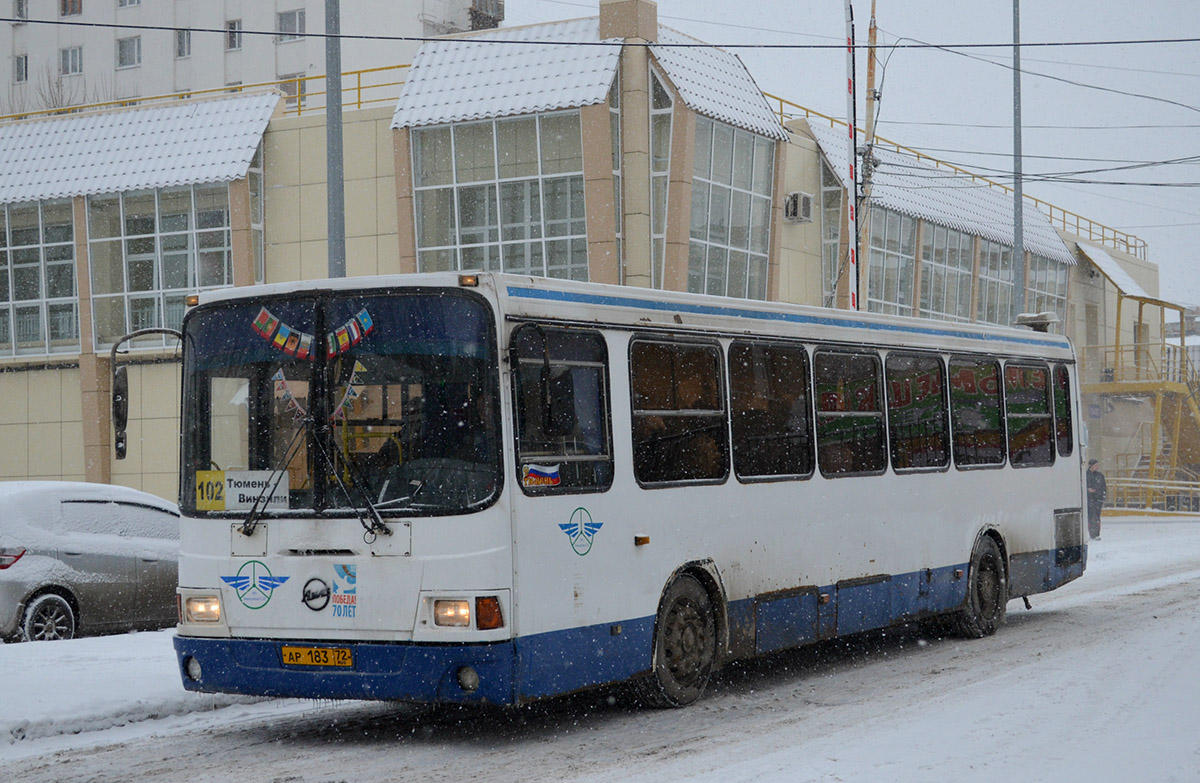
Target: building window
(1048, 288)
(70, 60)
(20, 9)
(292, 87)
(70, 7)
(732, 178)
(891, 263)
(947, 270)
(149, 250)
(233, 35)
(39, 312)
(254, 178)
(660, 170)
(128, 3)
(183, 43)
(831, 231)
(129, 51)
(502, 195)
(289, 25)
(21, 68)
(994, 288)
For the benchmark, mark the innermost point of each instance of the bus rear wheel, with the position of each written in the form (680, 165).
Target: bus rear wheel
(987, 592)
(685, 646)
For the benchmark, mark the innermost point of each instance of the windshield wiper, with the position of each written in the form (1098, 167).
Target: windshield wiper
(375, 524)
(272, 482)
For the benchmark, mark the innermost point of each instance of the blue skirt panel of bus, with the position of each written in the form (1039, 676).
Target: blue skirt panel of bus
(559, 662)
(390, 671)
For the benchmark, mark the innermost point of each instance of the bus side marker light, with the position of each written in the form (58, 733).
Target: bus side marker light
(487, 613)
(641, 540)
(958, 573)
(453, 613)
(823, 599)
(468, 281)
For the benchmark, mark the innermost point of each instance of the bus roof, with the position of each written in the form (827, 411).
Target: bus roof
(523, 296)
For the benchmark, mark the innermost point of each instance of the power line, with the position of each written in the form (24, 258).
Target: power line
(1008, 126)
(698, 45)
(1072, 82)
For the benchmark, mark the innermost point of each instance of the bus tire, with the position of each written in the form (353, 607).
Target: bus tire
(685, 646)
(987, 592)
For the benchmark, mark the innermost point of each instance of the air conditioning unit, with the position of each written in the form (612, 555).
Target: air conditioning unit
(798, 208)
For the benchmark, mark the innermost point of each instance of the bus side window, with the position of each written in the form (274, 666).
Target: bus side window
(560, 389)
(1027, 408)
(770, 410)
(1062, 411)
(975, 416)
(917, 426)
(850, 434)
(679, 429)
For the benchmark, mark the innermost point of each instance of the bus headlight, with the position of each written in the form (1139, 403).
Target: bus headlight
(202, 609)
(455, 613)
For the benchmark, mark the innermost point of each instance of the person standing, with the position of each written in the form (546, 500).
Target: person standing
(1097, 489)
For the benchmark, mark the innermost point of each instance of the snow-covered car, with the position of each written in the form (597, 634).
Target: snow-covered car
(80, 558)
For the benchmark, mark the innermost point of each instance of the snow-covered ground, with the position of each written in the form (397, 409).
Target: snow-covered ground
(1099, 682)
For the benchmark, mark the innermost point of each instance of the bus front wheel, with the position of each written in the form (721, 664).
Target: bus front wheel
(685, 646)
(987, 592)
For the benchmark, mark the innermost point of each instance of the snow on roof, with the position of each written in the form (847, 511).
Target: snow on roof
(135, 149)
(463, 78)
(910, 186)
(715, 83)
(459, 79)
(1114, 271)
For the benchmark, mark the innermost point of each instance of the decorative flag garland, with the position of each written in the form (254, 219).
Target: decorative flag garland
(290, 402)
(294, 342)
(352, 393)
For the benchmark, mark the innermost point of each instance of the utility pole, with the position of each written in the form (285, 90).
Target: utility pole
(868, 164)
(1018, 300)
(334, 167)
(852, 182)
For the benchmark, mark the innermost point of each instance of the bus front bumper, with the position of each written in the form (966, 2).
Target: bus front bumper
(464, 673)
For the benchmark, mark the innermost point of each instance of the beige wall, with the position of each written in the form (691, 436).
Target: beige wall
(799, 244)
(151, 462)
(295, 232)
(41, 425)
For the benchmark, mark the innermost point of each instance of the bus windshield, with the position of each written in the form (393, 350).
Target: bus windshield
(334, 402)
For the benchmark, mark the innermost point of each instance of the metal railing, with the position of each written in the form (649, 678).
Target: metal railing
(1063, 218)
(360, 90)
(1153, 494)
(374, 86)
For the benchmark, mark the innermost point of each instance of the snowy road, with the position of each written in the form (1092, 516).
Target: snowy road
(1099, 682)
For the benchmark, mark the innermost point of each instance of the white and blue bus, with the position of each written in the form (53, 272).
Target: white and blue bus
(494, 489)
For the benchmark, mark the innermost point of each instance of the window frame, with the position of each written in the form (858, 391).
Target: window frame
(70, 7)
(1047, 416)
(21, 68)
(233, 35)
(295, 21)
(943, 411)
(955, 422)
(47, 253)
(637, 414)
(136, 42)
(70, 61)
(183, 44)
(879, 415)
(1061, 380)
(605, 455)
(737, 421)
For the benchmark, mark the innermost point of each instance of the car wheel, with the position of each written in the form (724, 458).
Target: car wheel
(48, 617)
(685, 647)
(987, 592)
